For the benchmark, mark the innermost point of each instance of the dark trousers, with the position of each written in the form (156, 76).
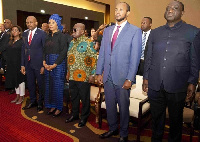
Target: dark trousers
(141, 68)
(159, 100)
(33, 76)
(117, 95)
(80, 91)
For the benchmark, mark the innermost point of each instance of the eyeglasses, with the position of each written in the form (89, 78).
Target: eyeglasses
(74, 30)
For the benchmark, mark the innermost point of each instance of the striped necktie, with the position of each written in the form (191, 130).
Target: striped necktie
(143, 45)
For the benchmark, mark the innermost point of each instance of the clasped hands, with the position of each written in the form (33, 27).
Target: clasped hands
(49, 67)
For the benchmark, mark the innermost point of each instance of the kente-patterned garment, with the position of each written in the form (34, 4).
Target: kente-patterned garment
(82, 59)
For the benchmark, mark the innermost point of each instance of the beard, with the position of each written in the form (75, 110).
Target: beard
(121, 19)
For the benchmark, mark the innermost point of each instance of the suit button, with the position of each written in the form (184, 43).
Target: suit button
(165, 59)
(164, 67)
(166, 50)
(168, 42)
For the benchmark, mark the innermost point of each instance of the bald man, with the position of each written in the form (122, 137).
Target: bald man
(81, 66)
(31, 64)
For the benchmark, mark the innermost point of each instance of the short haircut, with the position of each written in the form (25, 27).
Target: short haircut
(182, 5)
(150, 19)
(127, 6)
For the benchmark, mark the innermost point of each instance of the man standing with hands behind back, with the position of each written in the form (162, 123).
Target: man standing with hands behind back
(146, 29)
(170, 71)
(32, 61)
(117, 67)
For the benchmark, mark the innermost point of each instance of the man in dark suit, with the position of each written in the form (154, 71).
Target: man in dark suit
(117, 67)
(4, 39)
(31, 64)
(170, 71)
(146, 29)
(197, 46)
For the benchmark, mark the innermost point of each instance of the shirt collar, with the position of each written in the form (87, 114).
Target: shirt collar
(147, 31)
(34, 30)
(122, 24)
(177, 25)
(81, 38)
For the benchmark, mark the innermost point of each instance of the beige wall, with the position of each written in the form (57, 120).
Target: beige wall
(156, 8)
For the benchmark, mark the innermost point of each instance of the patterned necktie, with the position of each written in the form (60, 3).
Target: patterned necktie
(114, 37)
(30, 38)
(143, 45)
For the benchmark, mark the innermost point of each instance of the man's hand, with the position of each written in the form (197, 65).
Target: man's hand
(91, 79)
(100, 79)
(23, 71)
(127, 84)
(145, 85)
(42, 70)
(190, 91)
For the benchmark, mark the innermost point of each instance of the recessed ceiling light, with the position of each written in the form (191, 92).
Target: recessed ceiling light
(86, 18)
(42, 11)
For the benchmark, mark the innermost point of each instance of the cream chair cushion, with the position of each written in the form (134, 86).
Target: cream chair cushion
(136, 89)
(93, 92)
(133, 108)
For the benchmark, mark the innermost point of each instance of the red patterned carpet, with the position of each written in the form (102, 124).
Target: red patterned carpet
(17, 125)
(15, 128)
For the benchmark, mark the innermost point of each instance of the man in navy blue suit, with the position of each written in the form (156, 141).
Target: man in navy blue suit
(117, 66)
(170, 71)
(31, 64)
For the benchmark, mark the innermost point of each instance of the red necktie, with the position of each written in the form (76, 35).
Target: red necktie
(30, 38)
(29, 42)
(114, 37)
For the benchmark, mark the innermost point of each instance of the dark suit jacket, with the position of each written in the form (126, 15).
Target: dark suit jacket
(4, 43)
(35, 50)
(197, 46)
(171, 58)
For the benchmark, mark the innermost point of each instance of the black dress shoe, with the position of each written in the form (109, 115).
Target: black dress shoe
(39, 107)
(123, 139)
(56, 115)
(30, 106)
(70, 119)
(109, 133)
(82, 123)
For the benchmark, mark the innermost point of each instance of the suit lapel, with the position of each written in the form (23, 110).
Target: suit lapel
(110, 36)
(35, 36)
(121, 34)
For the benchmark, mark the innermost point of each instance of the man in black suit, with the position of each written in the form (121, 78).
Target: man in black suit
(197, 46)
(4, 39)
(170, 71)
(146, 29)
(32, 61)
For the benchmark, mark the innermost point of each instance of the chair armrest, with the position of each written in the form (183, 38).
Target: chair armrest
(141, 105)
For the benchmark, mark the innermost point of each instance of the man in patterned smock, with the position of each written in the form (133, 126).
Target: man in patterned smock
(81, 66)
